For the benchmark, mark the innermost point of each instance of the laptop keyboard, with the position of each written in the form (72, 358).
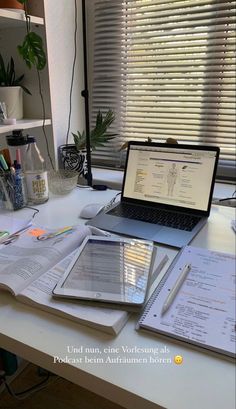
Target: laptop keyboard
(156, 216)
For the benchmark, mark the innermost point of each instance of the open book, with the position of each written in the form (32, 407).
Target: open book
(202, 313)
(31, 266)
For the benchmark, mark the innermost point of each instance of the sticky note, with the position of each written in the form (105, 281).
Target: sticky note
(36, 232)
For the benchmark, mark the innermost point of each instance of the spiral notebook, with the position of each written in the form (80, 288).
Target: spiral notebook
(203, 311)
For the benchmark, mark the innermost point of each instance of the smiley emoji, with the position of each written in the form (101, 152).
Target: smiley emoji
(178, 359)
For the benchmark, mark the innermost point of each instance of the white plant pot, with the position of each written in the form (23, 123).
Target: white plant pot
(13, 98)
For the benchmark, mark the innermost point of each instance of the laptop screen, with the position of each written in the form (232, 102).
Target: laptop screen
(169, 175)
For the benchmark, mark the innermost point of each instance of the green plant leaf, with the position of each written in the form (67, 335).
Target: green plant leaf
(26, 90)
(11, 72)
(99, 135)
(79, 140)
(8, 75)
(32, 51)
(3, 74)
(19, 79)
(22, 1)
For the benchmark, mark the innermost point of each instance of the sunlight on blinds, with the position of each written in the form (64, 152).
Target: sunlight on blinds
(167, 68)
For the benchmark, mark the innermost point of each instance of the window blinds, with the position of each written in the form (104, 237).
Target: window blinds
(167, 69)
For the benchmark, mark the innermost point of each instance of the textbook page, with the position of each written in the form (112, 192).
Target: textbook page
(203, 311)
(39, 293)
(11, 225)
(34, 252)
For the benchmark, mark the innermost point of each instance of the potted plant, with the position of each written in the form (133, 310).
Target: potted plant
(73, 156)
(11, 89)
(99, 135)
(11, 4)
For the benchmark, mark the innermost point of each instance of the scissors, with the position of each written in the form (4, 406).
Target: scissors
(54, 234)
(10, 239)
(3, 234)
(13, 237)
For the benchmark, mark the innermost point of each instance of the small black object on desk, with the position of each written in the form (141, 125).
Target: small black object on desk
(100, 187)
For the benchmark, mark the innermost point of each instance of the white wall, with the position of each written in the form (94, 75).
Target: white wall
(58, 35)
(59, 24)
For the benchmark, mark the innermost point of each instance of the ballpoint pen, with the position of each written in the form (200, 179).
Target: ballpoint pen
(174, 290)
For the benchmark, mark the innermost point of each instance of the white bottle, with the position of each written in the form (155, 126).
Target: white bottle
(36, 174)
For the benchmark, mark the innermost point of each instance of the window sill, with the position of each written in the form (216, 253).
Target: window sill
(114, 178)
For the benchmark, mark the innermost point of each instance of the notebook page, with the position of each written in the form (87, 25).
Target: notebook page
(203, 311)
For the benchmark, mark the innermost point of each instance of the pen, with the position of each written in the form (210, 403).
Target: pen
(19, 199)
(175, 288)
(3, 162)
(54, 234)
(6, 155)
(18, 156)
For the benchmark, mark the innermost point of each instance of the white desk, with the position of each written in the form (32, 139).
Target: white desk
(202, 381)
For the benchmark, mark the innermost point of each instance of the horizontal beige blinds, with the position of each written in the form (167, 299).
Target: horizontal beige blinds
(167, 69)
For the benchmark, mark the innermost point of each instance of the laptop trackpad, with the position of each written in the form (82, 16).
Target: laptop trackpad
(137, 229)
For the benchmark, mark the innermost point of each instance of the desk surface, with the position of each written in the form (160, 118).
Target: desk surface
(202, 381)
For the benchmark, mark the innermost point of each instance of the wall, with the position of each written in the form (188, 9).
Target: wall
(59, 24)
(58, 34)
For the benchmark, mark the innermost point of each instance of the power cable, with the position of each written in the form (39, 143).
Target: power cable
(73, 72)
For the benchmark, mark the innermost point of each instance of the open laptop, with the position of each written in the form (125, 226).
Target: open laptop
(166, 194)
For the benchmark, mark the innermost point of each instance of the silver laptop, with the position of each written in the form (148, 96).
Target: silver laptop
(166, 194)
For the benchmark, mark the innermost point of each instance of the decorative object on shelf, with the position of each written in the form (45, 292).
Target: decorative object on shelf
(62, 182)
(11, 4)
(74, 157)
(11, 89)
(32, 50)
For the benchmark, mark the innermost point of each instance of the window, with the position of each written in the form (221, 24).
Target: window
(167, 69)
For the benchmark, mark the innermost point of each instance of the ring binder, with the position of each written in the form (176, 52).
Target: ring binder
(158, 289)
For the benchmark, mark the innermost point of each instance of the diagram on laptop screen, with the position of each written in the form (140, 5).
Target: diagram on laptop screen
(180, 178)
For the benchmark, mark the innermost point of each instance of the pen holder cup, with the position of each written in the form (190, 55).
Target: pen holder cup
(12, 191)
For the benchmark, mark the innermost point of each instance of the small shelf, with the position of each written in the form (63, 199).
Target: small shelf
(10, 19)
(24, 124)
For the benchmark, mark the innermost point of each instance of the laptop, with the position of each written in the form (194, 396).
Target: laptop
(166, 193)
